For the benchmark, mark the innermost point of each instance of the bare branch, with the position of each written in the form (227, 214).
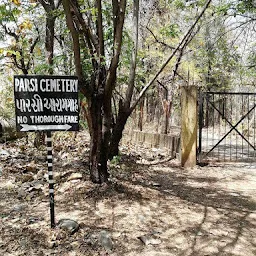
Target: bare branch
(157, 40)
(162, 85)
(10, 33)
(75, 37)
(133, 63)
(85, 27)
(100, 30)
(111, 78)
(171, 56)
(181, 53)
(32, 47)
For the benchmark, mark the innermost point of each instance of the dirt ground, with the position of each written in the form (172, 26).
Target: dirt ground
(150, 206)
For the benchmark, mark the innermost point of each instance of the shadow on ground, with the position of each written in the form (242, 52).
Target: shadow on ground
(186, 212)
(224, 220)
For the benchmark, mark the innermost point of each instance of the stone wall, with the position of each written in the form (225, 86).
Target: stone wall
(170, 143)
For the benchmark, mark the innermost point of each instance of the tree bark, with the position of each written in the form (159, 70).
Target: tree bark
(98, 154)
(49, 41)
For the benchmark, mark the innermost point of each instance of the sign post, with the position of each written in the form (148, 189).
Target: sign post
(50, 176)
(46, 103)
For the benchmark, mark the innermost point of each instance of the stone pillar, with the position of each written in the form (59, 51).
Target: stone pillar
(188, 126)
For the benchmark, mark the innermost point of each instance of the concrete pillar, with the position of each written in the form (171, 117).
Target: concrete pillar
(188, 126)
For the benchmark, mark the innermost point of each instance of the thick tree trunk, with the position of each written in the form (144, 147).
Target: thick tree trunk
(103, 80)
(98, 152)
(100, 117)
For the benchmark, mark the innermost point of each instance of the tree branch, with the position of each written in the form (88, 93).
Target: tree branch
(157, 40)
(171, 56)
(32, 48)
(100, 31)
(10, 33)
(58, 4)
(76, 43)
(46, 5)
(111, 77)
(181, 53)
(133, 63)
(85, 27)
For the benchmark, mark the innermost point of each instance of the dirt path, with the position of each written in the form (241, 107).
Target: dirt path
(151, 210)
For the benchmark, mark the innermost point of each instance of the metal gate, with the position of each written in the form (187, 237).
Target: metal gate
(227, 127)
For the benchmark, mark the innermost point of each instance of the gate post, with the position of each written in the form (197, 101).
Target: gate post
(188, 126)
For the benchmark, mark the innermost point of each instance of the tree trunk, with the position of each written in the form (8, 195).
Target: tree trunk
(167, 116)
(49, 41)
(124, 106)
(117, 132)
(49, 49)
(141, 114)
(98, 153)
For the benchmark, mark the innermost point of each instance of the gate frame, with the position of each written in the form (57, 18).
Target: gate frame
(204, 96)
(189, 123)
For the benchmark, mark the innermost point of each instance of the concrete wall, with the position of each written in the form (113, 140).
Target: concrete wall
(171, 143)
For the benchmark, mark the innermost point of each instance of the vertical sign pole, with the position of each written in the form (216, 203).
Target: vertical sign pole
(50, 177)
